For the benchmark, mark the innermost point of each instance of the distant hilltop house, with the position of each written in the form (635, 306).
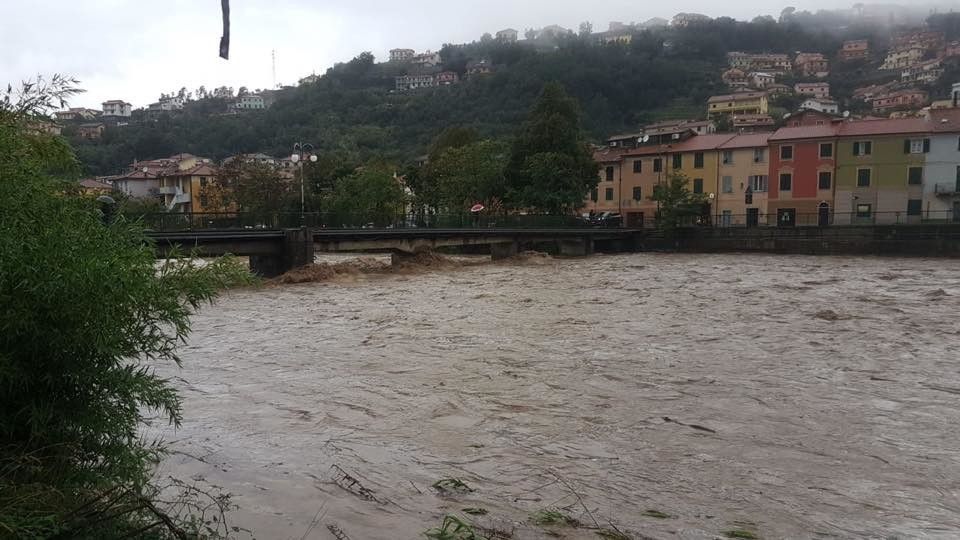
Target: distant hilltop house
(925, 72)
(508, 35)
(617, 32)
(735, 78)
(926, 40)
(427, 59)
(76, 113)
(770, 63)
(816, 89)
(751, 123)
(423, 78)
(900, 99)
(248, 102)
(309, 79)
(446, 78)
(903, 58)
(823, 105)
(854, 50)
(91, 131)
(117, 108)
(478, 67)
(774, 90)
(762, 80)
(867, 93)
(811, 64)
(401, 55)
(682, 20)
(737, 103)
(166, 103)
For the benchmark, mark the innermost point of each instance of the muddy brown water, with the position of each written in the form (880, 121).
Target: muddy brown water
(790, 396)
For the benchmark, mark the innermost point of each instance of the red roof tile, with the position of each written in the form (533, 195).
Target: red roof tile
(804, 132)
(884, 127)
(945, 120)
(747, 141)
(700, 143)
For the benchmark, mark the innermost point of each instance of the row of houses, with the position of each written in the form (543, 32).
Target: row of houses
(818, 170)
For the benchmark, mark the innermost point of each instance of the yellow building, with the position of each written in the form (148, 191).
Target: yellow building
(744, 169)
(186, 188)
(606, 196)
(699, 160)
(739, 103)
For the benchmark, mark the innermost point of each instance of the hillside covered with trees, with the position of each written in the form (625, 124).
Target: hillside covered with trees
(354, 111)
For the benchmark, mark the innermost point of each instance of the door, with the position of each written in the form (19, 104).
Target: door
(727, 218)
(786, 217)
(753, 217)
(823, 215)
(956, 211)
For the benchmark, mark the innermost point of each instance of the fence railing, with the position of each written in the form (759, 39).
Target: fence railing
(171, 221)
(164, 221)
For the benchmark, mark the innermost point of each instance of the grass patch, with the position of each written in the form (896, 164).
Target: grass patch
(549, 517)
(475, 511)
(453, 528)
(448, 486)
(740, 533)
(657, 514)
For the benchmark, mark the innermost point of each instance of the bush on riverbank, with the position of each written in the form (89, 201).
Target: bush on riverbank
(85, 315)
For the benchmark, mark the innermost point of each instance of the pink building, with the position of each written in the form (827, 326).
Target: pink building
(817, 89)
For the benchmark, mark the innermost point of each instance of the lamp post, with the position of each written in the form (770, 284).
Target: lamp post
(301, 152)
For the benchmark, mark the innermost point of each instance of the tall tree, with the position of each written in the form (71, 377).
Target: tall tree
(251, 187)
(466, 175)
(677, 204)
(371, 195)
(551, 165)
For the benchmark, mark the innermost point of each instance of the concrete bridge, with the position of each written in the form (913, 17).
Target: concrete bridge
(275, 251)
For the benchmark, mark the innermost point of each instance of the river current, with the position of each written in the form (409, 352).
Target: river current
(662, 395)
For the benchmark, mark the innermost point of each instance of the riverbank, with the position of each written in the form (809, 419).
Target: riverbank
(675, 395)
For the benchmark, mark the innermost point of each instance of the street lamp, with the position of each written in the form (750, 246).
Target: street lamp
(302, 152)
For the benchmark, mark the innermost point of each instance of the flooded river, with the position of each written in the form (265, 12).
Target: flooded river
(662, 395)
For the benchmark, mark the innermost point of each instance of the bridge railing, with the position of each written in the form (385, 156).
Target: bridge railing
(169, 221)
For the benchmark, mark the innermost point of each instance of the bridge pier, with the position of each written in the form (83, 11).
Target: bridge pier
(296, 250)
(504, 251)
(575, 247)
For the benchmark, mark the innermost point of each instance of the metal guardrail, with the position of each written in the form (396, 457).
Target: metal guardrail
(172, 221)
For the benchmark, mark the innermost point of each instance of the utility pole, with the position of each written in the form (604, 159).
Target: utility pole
(273, 61)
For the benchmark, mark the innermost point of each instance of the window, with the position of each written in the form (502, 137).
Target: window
(637, 194)
(826, 150)
(824, 180)
(864, 210)
(203, 181)
(728, 157)
(594, 195)
(759, 155)
(698, 160)
(915, 176)
(786, 152)
(638, 166)
(609, 174)
(726, 184)
(203, 200)
(916, 146)
(608, 194)
(657, 165)
(863, 177)
(698, 185)
(677, 161)
(914, 207)
(786, 182)
(758, 183)
(862, 148)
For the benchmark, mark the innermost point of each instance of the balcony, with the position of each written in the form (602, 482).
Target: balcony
(169, 190)
(947, 189)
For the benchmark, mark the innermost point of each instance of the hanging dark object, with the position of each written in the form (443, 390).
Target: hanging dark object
(225, 39)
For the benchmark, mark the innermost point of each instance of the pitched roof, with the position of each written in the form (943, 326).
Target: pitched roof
(700, 143)
(752, 140)
(90, 183)
(945, 120)
(735, 97)
(804, 132)
(884, 127)
(609, 155)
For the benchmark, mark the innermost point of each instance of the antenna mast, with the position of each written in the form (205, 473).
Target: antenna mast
(273, 58)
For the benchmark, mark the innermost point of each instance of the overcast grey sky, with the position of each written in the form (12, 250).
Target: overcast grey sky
(136, 49)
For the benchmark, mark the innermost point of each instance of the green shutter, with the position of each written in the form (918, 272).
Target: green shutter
(856, 148)
(906, 146)
(926, 146)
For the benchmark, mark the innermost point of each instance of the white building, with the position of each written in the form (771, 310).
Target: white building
(413, 82)
(172, 103)
(117, 107)
(427, 59)
(823, 105)
(250, 102)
